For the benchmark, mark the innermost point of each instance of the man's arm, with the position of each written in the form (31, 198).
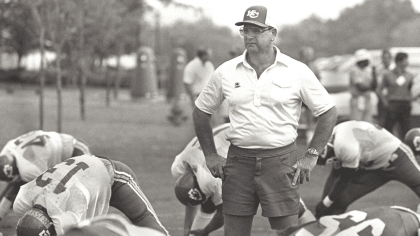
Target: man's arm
(379, 91)
(215, 223)
(189, 93)
(323, 131)
(204, 134)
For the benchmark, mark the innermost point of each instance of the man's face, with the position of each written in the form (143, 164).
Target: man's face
(257, 41)
(403, 64)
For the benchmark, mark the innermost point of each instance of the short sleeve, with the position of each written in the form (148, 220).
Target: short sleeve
(211, 97)
(314, 95)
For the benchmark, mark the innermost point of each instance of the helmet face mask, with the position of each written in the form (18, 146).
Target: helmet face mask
(35, 222)
(188, 191)
(412, 139)
(8, 169)
(327, 155)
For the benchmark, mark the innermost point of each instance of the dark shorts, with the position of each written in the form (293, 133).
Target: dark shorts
(255, 176)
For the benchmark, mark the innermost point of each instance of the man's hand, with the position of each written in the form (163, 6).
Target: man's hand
(216, 163)
(304, 167)
(320, 210)
(198, 232)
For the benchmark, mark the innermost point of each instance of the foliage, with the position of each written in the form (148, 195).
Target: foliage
(373, 24)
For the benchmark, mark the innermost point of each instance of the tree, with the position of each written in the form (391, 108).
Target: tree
(18, 31)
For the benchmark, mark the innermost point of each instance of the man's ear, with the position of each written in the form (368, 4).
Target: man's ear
(274, 32)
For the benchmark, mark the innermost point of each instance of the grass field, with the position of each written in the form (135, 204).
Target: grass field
(137, 133)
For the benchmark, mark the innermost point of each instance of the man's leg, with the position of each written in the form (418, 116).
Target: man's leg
(282, 222)
(238, 225)
(130, 200)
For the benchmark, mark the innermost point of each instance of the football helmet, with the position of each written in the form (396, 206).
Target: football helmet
(187, 190)
(35, 222)
(8, 168)
(412, 139)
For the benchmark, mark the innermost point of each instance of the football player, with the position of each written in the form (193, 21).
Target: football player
(110, 225)
(365, 157)
(200, 192)
(24, 158)
(81, 188)
(375, 221)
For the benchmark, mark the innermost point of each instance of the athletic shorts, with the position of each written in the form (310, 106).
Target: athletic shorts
(254, 176)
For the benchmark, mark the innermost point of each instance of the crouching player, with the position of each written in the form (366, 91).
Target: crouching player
(81, 188)
(375, 221)
(110, 225)
(24, 158)
(196, 186)
(364, 157)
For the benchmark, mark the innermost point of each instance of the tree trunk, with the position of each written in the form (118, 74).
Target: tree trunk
(42, 79)
(118, 76)
(82, 66)
(59, 89)
(108, 80)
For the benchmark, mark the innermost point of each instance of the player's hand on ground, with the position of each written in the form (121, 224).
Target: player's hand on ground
(304, 166)
(216, 163)
(198, 232)
(320, 210)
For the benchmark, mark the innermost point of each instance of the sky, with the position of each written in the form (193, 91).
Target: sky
(227, 12)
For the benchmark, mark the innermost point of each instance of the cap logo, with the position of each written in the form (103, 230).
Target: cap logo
(253, 14)
(194, 194)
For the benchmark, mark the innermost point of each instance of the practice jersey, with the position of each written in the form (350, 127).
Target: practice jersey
(118, 225)
(74, 190)
(193, 157)
(360, 144)
(374, 221)
(38, 150)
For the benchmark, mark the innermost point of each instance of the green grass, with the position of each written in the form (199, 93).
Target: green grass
(138, 134)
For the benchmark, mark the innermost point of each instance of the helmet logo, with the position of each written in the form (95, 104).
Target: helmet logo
(8, 170)
(195, 194)
(416, 143)
(253, 14)
(44, 233)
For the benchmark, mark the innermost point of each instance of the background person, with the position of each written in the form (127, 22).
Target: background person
(383, 68)
(196, 74)
(365, 157)
(265, 90)
(81, 188)
(398, 83)
(24, 158)
(362, 84)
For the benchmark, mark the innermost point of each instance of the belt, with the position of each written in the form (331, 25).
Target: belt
(251, 152)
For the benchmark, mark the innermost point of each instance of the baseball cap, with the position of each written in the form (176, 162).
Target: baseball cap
(257, 15)
(362, 55)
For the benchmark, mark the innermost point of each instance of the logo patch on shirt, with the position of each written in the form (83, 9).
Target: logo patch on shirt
(237, 85)
(253, 14)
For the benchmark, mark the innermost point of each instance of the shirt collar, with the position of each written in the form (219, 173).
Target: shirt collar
(280, 58)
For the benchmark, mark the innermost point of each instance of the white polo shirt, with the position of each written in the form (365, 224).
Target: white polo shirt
(264, 112)
(196, 74)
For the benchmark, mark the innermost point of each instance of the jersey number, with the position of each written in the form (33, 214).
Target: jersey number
(38, 140)
(353, 223)
(61, 187)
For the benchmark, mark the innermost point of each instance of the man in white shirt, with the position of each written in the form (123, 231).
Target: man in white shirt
(197, 73)
(265, 90)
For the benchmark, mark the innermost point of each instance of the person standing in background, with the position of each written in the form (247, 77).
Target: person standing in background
(265, 90)
(196, 74)
(383, 69)
(362, 83)
(397, 102)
